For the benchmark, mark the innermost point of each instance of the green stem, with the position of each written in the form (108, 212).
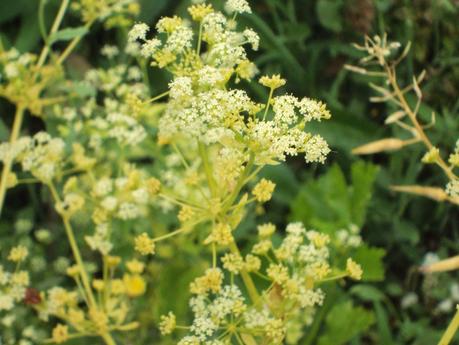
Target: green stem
(164, 94)
(248, 282)
(18, 118)
(243, 179)
(271, 91)
(108, 339)
(71, 46)
(54, 28)
(75, 249)
(198, 49)
(450, 331)
(207, 168)
(320, 316)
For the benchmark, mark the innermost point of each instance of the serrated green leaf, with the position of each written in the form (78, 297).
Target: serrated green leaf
(371, 261)
(345, 322)
(68, 34)
(330, 203)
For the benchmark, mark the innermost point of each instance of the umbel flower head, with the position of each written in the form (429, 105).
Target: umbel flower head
(293, 271)
(202, 103)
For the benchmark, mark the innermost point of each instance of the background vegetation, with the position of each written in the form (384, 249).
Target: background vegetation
(308, 42)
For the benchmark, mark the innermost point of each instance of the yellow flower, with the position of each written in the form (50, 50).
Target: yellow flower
(186, 213)
(73, 271)
(278, 273)
(169, 24)
(431, 156)
(317, 239)
(354, 269)
(211, 280)
(117, 287)
(167, 324)
(153, 185)
(263, 190)
(20, 278)
(98, 284)
(113, 261)
(221, 235)
(60, 334)
(252, 263)
(144, 244)
(273, 82)
(135, 266)
(266, 230)
(135, 285)
(18, 254)
(198, 12)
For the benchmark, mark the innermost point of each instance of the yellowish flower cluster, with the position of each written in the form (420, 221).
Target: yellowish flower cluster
(144, 244)
(13, 284)
(24, 81)
(83, 314)
(293, 272)
(112, 12)
(263, 190)
(41, 155)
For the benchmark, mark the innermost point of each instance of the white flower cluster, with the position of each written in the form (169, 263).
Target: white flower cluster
(224, 45)
(14, 64)
(452, 188)
(100, 241)
(13, 284)
(218, 115)
(112, 12)
(454, 157)
(201, 105)
(124, 198)
(238, 6)
(349, 237)
(41, 155)
(117, 118)
(301, 261)
(213, 314)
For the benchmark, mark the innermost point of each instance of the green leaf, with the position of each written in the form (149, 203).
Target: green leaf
(4, 132)
(68, 34)
(345, 322)
(84, 89)
(363, 176)
(330, 203)
(371, 261)
(28, 36)
(285, 180)
(382, 320)
(367, 293)
(329, 14)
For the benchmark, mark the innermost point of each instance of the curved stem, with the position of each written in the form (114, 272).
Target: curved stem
(18, 118)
